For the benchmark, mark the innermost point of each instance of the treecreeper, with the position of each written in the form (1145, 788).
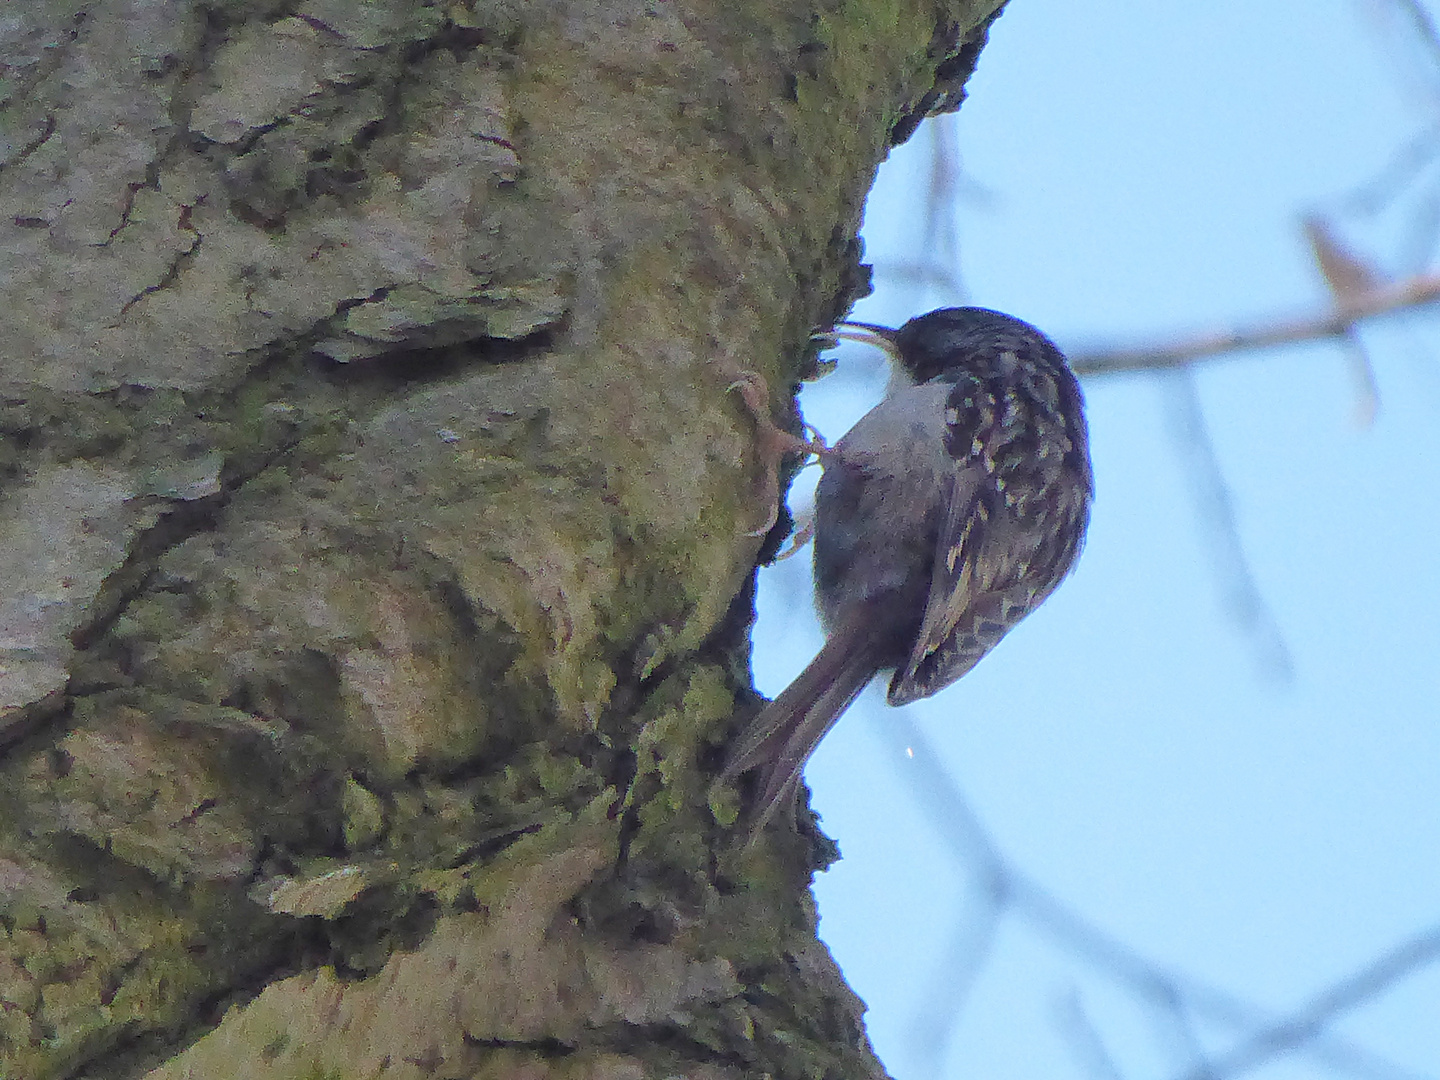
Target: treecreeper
(947, 514)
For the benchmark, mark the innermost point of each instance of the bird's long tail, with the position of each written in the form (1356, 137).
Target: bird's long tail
(783, 734)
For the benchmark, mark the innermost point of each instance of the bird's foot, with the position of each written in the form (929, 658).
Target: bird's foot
(772, 443)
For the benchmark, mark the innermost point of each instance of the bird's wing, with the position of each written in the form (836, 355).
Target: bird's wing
(982, 583)
(958, 541)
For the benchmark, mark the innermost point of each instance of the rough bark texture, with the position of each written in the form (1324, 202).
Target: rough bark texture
(374, 524)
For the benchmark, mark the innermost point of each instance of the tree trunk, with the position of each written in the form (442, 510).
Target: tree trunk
(376, 525)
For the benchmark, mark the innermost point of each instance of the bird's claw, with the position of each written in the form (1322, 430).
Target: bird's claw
(803, 534)
(772, 443)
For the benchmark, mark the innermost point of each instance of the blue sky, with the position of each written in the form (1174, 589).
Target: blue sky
(1135, 170)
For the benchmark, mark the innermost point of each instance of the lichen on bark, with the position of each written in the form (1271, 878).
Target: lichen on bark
(375, 525)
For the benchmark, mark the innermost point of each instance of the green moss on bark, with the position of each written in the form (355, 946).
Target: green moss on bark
(367, 370)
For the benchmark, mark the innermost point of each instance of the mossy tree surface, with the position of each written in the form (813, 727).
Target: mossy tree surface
(376, 524)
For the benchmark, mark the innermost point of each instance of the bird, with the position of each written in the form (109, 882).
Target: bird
(947, 514)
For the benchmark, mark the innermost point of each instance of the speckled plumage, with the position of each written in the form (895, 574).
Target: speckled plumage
(945, 516)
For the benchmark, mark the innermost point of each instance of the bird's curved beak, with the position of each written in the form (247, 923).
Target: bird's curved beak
(882, 337)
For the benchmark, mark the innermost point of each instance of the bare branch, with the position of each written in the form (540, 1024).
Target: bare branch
(1387, 299)
(960, 829)
(1361, 987)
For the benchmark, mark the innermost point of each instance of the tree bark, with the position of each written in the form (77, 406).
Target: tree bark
(376, 525)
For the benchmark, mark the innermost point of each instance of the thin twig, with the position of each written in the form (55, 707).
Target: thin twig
(1381, 191)
(1089, 1046)
(1424, 27)
(1247, 603)
(955, 977)
(1174, 1022)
